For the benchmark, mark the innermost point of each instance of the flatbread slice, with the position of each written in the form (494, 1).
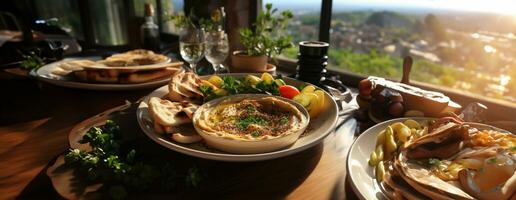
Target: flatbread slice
(167, 113)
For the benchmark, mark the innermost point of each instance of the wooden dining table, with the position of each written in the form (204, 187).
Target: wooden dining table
(36, 119)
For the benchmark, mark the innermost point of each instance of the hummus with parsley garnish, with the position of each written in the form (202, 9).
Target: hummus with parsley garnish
(253, 119)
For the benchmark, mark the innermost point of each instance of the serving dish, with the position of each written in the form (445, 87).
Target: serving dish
(45, 74)
(361, 174)
(317, 130)
(238, 144)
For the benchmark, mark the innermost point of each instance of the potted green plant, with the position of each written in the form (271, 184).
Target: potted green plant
(267, 38)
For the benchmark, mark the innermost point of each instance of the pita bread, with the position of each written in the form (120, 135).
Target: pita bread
(145, 76)
(167, 113)
(184, 86)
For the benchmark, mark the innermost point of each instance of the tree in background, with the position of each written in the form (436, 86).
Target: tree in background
(436, 28)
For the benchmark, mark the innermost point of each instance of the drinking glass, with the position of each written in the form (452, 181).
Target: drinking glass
(192, 46)
(217, 49)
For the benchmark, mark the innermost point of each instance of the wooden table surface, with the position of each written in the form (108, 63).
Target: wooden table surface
(36, 118)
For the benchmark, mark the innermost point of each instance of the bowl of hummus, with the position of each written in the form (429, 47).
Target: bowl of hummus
(250, 123)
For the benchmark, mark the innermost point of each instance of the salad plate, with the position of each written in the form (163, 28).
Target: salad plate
(45, 74)
(317, 130)
(361, 174)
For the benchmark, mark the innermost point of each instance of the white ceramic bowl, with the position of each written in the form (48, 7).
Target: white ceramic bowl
(249, 146)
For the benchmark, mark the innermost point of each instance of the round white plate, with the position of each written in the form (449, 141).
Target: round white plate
(317, 130)
(361, 175)
(44, 74)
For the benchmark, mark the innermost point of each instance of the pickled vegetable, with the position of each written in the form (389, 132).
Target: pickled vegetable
(373, 159)
(380, 171)
(390, 143)
(379, 152)
(402, 132)
(412, 124)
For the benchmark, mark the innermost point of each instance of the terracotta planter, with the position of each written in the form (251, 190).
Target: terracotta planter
(242, 62)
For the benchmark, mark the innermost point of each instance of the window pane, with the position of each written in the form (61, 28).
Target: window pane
(171, 7)
(66, 12)
(109, 22)
(304, 25)
(139, 7)
(470, 47)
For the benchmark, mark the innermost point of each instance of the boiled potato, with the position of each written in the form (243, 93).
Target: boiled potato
(412, 124)
(402, 132)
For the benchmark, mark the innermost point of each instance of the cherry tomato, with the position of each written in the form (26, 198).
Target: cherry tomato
(288, 91)
(396, 109)
(365, 85)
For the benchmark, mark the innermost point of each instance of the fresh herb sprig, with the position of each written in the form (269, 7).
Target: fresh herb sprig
(213, 23)
(121, 172)
(243, 123)
(31, 61)
(268, 35)
(234, 85)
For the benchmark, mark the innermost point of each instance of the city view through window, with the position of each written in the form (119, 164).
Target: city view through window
(466, 45)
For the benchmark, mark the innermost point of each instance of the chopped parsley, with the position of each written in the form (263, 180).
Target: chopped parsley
(231, 84)
(491, 160)
(513, 148)
(208, 92)
(250, 109)
(284, 120)
(243, 123)
(256, 134)
(121, 172)
(205, 89)
(433, 162)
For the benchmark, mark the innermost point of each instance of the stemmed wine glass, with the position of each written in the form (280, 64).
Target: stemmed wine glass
(217, 49)
(192, 46)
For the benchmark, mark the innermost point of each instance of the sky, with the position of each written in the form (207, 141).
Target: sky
(491, 6)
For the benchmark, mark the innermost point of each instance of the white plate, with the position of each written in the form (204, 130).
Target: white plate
(44, 73)
(361, 175)
(317, 130)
